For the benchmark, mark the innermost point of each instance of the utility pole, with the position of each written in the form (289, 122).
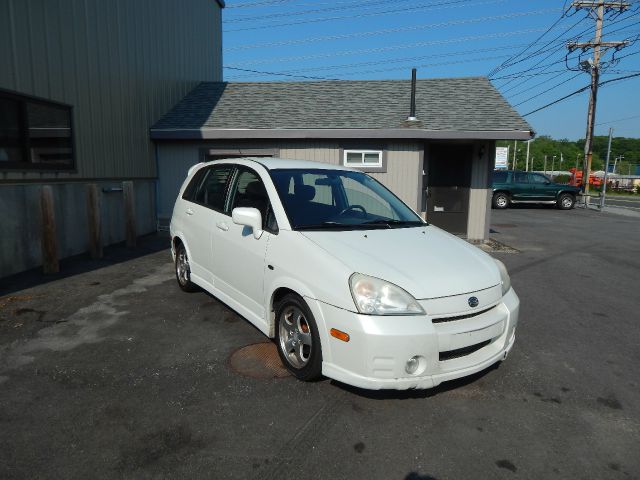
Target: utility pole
(615, 163)
(515, 145)
(545, 164)
(526, 168)
(606, 169)
(597, 11)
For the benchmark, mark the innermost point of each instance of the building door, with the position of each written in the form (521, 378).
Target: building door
(448, 183)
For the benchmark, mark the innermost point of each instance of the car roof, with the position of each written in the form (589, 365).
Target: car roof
(274, 163)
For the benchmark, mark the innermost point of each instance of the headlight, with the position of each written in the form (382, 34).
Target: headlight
(373, 296)
(504, 276)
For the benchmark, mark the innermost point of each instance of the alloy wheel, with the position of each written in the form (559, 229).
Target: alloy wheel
(295, 337)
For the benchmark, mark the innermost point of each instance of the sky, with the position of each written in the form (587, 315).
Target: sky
(519, 44)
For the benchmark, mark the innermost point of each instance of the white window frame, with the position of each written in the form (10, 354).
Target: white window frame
(362, 164)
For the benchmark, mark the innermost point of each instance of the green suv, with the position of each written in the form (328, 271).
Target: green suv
(514, 186)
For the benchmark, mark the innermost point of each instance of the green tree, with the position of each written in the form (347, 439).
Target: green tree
(572, 152)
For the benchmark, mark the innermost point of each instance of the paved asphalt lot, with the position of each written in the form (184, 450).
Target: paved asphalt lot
(113, 372)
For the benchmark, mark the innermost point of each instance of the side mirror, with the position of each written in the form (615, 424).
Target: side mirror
(249, 217)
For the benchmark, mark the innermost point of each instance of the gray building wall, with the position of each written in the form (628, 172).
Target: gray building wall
(480, 191)
(403, 160)
(121, 65)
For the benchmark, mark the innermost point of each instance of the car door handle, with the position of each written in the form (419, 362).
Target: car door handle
(222, 226)
(189, 211)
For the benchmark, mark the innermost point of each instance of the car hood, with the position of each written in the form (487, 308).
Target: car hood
(427, 262)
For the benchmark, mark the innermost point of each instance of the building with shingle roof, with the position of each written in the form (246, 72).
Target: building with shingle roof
(439, 163)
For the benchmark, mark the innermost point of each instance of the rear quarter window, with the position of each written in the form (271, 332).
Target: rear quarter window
(190, 191)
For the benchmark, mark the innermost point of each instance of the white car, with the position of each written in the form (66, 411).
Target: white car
(350, 282)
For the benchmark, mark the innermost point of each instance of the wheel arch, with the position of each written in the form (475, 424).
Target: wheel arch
(568, 192)
(291, 286)
(176, 240)
(278, 291)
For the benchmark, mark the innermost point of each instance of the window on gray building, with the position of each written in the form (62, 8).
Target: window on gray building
(34, 134)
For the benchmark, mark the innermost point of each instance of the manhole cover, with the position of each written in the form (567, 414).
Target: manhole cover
(259, 360)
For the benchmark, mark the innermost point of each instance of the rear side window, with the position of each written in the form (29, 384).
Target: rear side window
(500, 177)
(212, 189)
(537, 178)
(520, 177)
(190, 191)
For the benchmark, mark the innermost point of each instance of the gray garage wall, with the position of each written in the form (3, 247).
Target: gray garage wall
(121, 65)
(404, 164)
(20, 238)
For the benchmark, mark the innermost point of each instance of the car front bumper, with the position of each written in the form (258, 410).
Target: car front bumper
(380, 346)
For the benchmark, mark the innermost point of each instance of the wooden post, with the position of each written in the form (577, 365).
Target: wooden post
(129, 212)
(94, 219)
(49, 242)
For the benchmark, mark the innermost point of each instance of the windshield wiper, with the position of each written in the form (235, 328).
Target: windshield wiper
(340, 226)
(323, 226)
(390, 221)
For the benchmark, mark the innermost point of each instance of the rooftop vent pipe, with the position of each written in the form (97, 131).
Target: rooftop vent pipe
(412, 116)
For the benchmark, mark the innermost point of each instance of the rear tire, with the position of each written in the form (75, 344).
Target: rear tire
(183, 270)
(297, 338)
(565, 201)
(500, 200)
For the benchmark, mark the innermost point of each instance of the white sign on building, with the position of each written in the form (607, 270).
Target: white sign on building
(502, 158)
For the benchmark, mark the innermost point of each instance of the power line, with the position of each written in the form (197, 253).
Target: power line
(407, 67)
(525, 74)
(446, 4)
(529, 72)
(580, 90)
(370, 3)
(564, 60)
(618, 120)
(387, 31)
(542, 68)
(344, 53)
(547, 90)
(542, 50)
(280, 74)
(345, 66)
(502, 66)
(530, 88)
(573, 37)
(265, 3)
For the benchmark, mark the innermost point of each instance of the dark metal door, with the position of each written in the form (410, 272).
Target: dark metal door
(448, 181)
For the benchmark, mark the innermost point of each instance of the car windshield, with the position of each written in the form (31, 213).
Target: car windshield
(317, 199)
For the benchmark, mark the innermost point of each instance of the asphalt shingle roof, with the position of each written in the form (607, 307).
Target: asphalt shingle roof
(448, 104)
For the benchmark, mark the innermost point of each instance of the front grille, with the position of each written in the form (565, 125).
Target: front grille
(461, 317)
(461, 352)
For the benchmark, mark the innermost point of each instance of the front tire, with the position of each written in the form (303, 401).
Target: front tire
(297, 338)
(500, 200)
(183, 270)
(565, 201)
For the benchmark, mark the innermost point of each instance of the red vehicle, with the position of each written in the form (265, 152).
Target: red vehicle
(576, 179)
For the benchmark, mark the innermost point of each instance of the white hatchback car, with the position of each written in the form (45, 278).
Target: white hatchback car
(350, 282)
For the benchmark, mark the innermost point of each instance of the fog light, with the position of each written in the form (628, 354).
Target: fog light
(413, 364)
